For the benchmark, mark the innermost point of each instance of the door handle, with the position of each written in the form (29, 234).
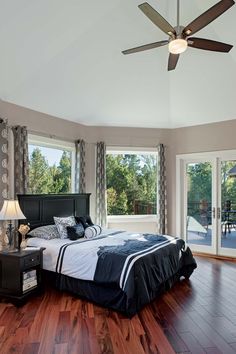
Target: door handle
(214, 212)
(218, 213)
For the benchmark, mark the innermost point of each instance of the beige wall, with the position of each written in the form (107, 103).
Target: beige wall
(39, 122)
(209, 137)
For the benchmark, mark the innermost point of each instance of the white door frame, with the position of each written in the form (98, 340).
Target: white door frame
(224, 156)
(181, 197)
(181, 207)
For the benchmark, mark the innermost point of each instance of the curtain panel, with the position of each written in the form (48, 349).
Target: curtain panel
(4, 174)
(162, 194)
(21, 160)
(101, 205)
(80, 182)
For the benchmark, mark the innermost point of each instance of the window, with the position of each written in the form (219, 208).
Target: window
(51, 165)
(131, 182)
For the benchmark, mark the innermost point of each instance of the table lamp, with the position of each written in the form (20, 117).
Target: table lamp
(11, 211)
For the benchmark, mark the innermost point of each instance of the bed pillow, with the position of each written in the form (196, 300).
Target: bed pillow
(75, 232)
(92, 231)
(85, 221)
(62, 223)
(47, 232)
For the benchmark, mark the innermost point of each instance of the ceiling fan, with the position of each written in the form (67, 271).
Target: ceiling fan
(179, 38)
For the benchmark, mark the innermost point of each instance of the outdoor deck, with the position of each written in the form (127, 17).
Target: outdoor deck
(228, 240)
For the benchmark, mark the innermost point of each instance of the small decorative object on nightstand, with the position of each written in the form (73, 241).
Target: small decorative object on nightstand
(20, 274)
(11, 211)
(23, 230)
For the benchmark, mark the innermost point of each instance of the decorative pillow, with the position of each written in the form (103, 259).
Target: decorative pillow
(47, 232)
(85, 221)
(75, 232)
(92, 231)
(62, 223)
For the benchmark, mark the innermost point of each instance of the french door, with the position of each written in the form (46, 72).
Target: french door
(206, 201)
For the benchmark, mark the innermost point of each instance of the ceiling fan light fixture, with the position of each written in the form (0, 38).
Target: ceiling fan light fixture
(178, 46)
(179, 39)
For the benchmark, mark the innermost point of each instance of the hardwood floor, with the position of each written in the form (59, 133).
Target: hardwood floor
(196, 316)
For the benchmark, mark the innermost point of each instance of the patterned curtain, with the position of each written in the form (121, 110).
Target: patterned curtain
(20, 159)
(161, 195)
(80, 183)
(4, 182)
(101, 207)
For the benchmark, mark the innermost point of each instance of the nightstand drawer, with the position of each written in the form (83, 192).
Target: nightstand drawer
(32, 260)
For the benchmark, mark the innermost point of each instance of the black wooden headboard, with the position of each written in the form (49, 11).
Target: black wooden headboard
(39, 209)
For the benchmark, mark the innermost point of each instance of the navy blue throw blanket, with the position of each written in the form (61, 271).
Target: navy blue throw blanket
(116, 263)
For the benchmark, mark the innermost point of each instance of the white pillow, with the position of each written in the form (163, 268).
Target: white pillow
(62, 223)
(92, 231)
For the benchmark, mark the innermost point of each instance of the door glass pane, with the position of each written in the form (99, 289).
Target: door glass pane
(199, 203)
(228, 204)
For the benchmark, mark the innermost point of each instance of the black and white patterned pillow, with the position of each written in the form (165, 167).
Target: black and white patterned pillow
(92, 231)
(47, 232)
(62, 223)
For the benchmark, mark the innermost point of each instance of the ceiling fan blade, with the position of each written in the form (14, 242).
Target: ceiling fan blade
(157, 19)
(208, 44)
(208, 16)
(145, 47)
(172, 62)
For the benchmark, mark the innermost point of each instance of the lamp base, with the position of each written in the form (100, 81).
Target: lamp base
(11, 250)
(12, 237)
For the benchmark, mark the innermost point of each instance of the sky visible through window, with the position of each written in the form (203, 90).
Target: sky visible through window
(52, 156)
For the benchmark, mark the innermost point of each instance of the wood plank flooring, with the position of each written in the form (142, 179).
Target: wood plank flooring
(195, 316)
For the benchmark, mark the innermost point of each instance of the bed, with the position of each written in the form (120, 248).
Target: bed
(119, 270)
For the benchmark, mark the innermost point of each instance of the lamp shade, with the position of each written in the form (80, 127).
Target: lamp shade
(11, 211)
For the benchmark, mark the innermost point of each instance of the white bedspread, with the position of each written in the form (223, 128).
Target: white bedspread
(80, 260)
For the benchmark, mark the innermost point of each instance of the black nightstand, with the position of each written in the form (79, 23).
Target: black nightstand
(20, 274)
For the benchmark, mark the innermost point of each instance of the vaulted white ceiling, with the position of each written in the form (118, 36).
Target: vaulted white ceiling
(63, 58)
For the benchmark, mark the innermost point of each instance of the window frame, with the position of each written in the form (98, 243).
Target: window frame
(142, 218)
(53, 143)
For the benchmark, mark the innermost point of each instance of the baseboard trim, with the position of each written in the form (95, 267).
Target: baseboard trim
(209, 255)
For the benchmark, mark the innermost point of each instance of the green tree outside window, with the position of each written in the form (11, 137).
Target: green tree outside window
(131, 184)
(44, 179)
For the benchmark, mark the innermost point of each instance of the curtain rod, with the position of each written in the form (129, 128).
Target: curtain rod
(132, 146)
(128, 146)
(37, 133)
(51, 136)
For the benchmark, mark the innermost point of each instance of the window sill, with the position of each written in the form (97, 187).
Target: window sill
(131, 218)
